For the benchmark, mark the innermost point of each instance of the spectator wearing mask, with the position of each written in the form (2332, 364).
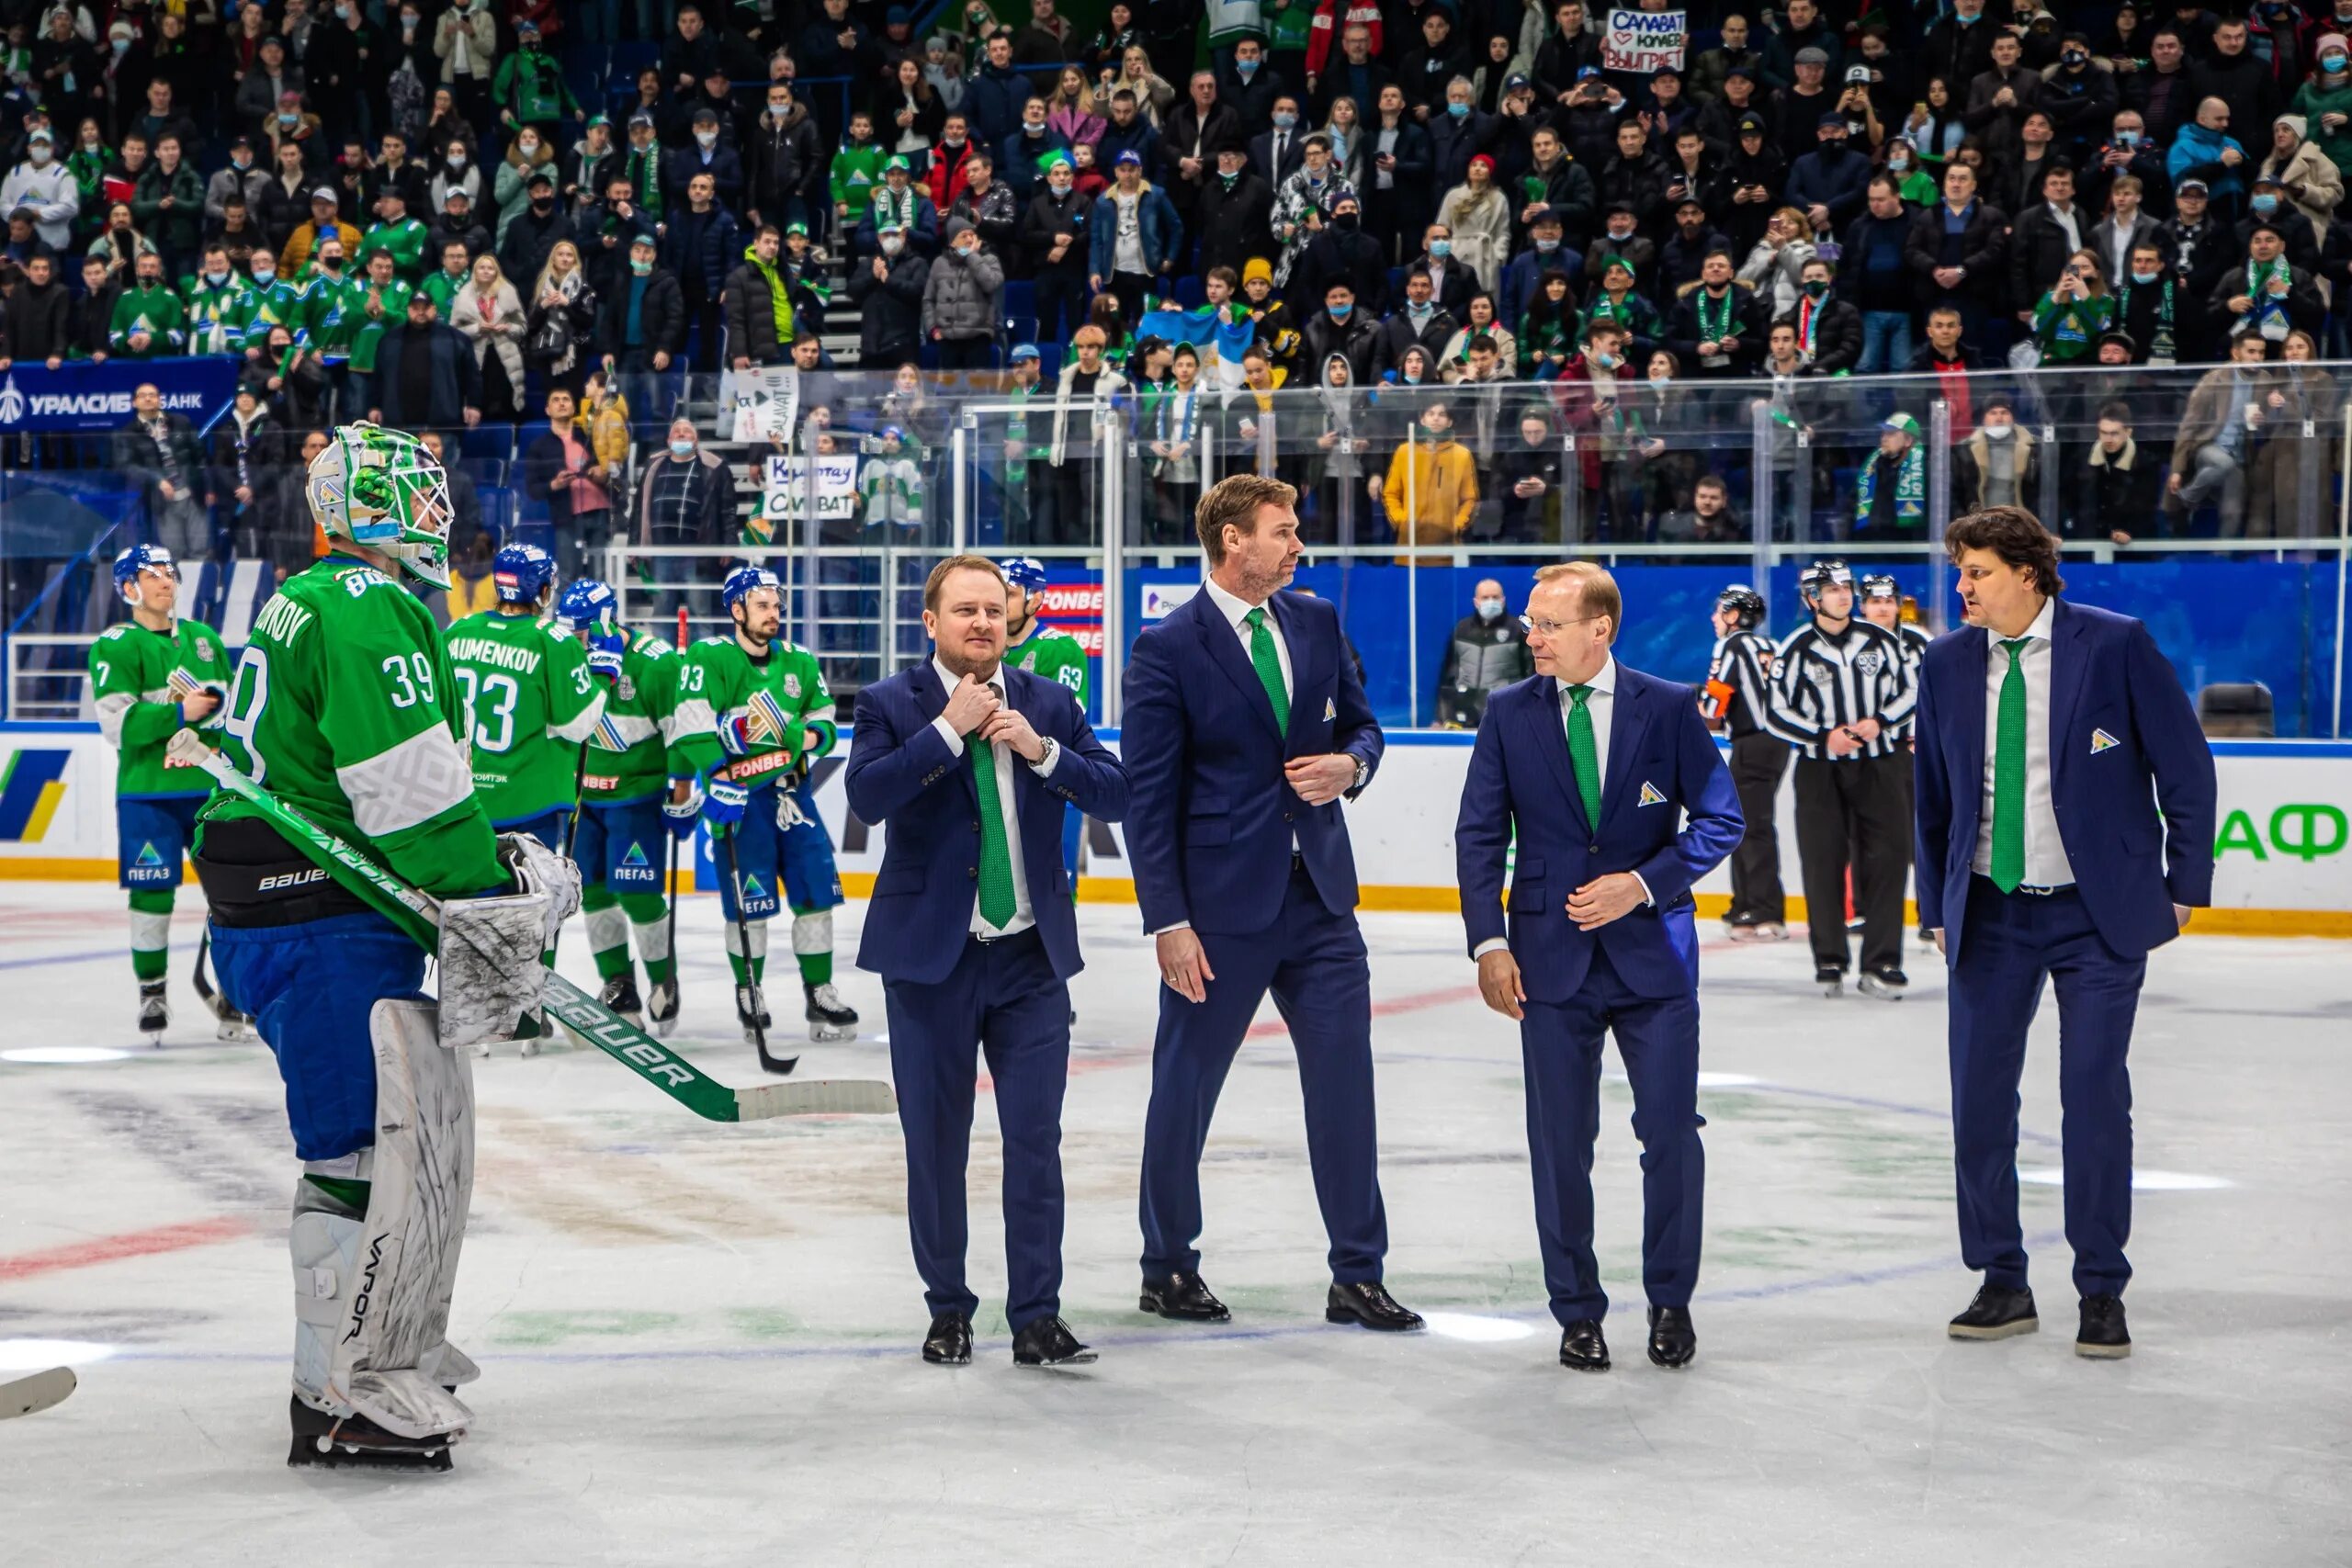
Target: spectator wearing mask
(960, 309)
(1341, 249)
(2080, 97)
(1340, 327)
(1487, 650)
(457, 226)
(529, 89)
(1235, 214)
(241, 177)
(525, 243)
(785, 163)
(1829, 330)
(2148, 302)
(707, 153)
(899, 199)
(2324, 103)
(685, 498)
(641, 324)
(48, 188)
(606, 228)
(1998, 466)
(1057, 238)
(889, 290)
(149, 322)
(464, 41)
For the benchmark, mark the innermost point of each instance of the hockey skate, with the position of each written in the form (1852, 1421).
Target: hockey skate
(620, 995)
(155, 1011)
(1755, 931)
(1887, 985)
(661, 997)
(828, 1017)
(1830, 978)
(751, 1012)
(353, 1442)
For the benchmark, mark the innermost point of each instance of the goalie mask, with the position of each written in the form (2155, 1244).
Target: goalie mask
(384, 490)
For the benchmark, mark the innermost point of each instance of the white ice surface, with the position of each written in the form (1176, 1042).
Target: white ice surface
(698, 1341)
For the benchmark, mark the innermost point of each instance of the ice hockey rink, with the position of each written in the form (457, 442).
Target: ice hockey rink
(698, 1341)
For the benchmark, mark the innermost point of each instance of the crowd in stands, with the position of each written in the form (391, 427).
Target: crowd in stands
(1537, 298)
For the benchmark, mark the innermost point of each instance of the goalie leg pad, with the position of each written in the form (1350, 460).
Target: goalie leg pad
(372, 1291)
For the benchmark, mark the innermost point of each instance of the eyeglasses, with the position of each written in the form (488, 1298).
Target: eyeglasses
(1554, 628)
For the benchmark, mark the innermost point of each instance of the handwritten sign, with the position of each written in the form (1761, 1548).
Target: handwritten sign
(1643, 41)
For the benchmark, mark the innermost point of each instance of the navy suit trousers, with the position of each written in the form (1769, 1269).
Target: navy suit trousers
(1560, 1045)
(1315, 963)
(2011, 943)
(1000, 998)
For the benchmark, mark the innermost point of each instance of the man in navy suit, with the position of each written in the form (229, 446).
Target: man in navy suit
(1589, 767)
(1245, 726)
(2049, 736)
(971, 764)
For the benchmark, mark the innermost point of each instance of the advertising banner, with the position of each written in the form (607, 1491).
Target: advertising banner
(80, 397)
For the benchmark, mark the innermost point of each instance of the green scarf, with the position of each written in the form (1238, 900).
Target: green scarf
(1910, 491)
(779, 295)
(2162, 345)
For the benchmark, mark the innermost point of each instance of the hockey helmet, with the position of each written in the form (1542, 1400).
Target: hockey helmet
(139, 558)
(384, 490)
(1822, 574)
(1878, 585)
(1745, 604)
(587, 602)
(1025, 572)
(522, 574)
(743, 582)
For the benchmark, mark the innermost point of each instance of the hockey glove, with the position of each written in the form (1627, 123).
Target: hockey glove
(605, 646)
(683, 813)
(724, 801)
(735, 735)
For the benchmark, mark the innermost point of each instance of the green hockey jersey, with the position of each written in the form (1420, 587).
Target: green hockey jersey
(529, 702)
(628, 755)
(1056, 655)
(345, 707)
(137, 679)
(784, 688)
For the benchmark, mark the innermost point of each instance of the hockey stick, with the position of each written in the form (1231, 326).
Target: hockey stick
(30, 1396)
(418, 914)
(214, 1002)
(743, 941)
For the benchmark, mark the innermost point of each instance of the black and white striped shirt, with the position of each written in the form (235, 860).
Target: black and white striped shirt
(1742, 661)
(1914, 653)
(1821, 682)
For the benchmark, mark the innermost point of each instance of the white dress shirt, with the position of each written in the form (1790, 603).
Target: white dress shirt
(1599, 702)
(1023, 914)
(2045, 852)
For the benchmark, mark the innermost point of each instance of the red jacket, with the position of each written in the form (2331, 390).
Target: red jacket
(1324, 28)
(946, 178)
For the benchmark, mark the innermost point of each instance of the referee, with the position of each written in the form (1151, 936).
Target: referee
(1841, 687)
(1739, 683)
(1880, 601)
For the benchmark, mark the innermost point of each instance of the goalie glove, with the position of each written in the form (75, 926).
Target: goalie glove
(723, 802)
(683, 813)
(605, 647)
(491, 948)
(538, 869)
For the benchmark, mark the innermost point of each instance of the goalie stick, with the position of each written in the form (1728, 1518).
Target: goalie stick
(418, 914)
(30, 1396)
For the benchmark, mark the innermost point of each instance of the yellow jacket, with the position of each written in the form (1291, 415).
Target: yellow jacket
(608, 433)
(471, 596)
(1432, 491)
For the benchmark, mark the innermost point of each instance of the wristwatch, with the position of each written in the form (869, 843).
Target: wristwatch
(1363, 772)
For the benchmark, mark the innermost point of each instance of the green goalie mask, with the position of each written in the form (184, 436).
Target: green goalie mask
(384, 490)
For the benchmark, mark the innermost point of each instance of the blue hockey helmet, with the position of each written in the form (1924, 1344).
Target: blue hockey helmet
(139, 558)
(1025, 572)
(744, 581)
(522, 574)
(587, 602)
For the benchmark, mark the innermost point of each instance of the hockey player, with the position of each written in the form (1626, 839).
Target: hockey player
(345, 707)
(530, 695)
(1740, 681)
(1040, 649)
(753, 715)
(148, 677)
(625, 806)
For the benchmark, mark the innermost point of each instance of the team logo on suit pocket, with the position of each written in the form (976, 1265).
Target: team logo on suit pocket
(2101, 741)
(1330, 709)
(1649, 795)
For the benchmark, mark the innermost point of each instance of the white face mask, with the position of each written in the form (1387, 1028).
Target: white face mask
(1490, 609)
(1998, 432)
(892, 244)
(708, 138)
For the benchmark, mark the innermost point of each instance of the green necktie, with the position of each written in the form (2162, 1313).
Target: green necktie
(1269, 666)
(1584, 751)
(997, 902)
(2008, 775)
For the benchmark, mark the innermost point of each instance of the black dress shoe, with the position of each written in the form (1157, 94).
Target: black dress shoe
(1182, 1296)
(949, 1343)
(1673, 1340)
(2102, 1336)
(1369, 1305)
(1583, 1347)
(1996, 1313)
(1047, 1342)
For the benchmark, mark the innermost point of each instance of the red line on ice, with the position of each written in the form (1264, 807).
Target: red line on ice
(129, 1244)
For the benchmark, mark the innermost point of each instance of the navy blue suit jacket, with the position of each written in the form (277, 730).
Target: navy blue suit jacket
(2109, 688)
(1662, 764)
(902, 774)
(1209, 837)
